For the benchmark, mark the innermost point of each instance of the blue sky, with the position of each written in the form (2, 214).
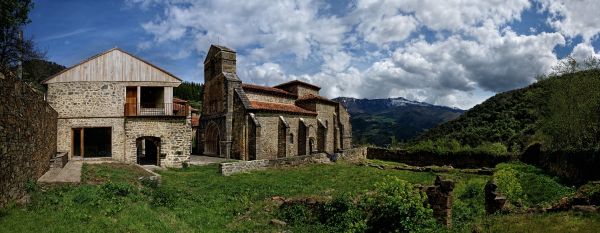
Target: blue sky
(455, 53)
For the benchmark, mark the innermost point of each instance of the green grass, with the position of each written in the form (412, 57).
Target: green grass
(199, 199)
(537, 188)
(542, 223)
(114, 172)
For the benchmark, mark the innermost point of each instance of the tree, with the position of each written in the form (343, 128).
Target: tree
(570, 65)
(13, 17)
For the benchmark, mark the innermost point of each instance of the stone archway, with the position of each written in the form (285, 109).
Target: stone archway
(212, 139)
(148, 150)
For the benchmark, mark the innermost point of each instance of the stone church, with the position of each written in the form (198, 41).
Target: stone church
(249, 122)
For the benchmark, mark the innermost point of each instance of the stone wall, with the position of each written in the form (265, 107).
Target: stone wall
(263, 97)
(318, 158)
(65, 134)
(247, 166)
(87, 99)
(457, 160)
(327, 116)
(354, 154)
(27, 137)
(576, 167)
(269, 131)
(175, 138)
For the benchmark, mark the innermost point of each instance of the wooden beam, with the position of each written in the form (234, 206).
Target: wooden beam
(81, 149)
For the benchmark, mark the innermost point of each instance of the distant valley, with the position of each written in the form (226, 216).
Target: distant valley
(375, 121)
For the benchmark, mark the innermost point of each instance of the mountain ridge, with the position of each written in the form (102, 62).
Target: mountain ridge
(376, 121)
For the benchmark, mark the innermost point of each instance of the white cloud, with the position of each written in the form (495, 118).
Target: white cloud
(377, 49)
(574, 18)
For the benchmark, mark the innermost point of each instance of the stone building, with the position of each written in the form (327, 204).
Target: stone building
(119, 106)
(248, 122)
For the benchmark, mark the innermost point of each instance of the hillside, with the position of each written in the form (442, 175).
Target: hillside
(35, 71)
(375, 121)
(560, 112)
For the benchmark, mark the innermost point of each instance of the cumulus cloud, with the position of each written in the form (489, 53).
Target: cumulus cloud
(574, 18)
(454, 53)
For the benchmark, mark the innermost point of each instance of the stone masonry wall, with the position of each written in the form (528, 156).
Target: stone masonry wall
(326, 114)
(269, 130)
(228, 169)
(261, 164)
(254, 96)
(117, 133)
(27, 137)
(87, 99)
(175, 135)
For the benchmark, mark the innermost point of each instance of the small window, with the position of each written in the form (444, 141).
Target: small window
(291, 137)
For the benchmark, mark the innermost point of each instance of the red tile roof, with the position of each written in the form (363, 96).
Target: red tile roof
(178, 100)
(310, 97)
(271, 90)
(298, 82)
(279, 107)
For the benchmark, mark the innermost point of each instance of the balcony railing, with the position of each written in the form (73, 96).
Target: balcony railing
(169, 109)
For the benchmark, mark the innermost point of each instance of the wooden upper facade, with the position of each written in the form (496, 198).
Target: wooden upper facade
(114, 65)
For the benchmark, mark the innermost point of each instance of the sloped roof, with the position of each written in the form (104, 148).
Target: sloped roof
(215, 49)
(297, 82)
(318, 98)
(269, 90)
(106, 52)
(279, 107)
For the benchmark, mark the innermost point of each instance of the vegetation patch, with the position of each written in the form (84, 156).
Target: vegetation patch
(394, 205)
(114, 172)
(528, 186)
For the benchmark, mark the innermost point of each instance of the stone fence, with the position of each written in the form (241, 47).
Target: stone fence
(253, 165)
(457, 160)
(27, 137)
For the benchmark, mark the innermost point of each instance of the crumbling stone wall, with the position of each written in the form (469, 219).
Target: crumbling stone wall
(27, 137)
(439, 197)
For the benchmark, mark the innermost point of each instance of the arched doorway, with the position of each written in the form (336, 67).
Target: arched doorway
(148, 150)
(211, 139)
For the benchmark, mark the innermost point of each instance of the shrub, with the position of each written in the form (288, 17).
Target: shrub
(396, 206)
(31, 186)
(117, 189)
(528, 185)
(162, 197)
(509, 185)
(342, 214)
(393, 206)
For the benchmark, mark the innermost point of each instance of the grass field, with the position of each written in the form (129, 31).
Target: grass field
(199, 199)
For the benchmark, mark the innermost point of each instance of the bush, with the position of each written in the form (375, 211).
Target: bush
(528, 185)
(394, 206)
(443, 146)
(509, 185)
(117, 189)
(162, 197)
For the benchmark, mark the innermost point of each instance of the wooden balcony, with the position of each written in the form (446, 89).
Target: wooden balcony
(145, 110)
